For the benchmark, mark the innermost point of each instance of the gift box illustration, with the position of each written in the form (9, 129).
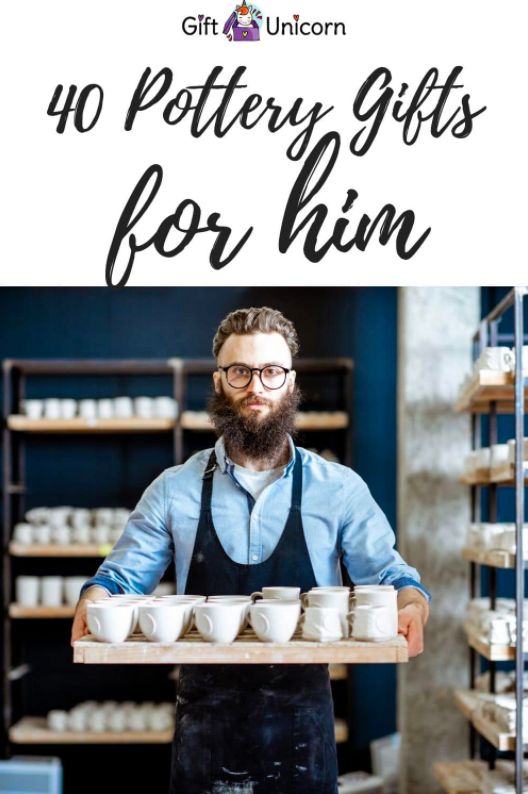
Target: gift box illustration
(244, 24)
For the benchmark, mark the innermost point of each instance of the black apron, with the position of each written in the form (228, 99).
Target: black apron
(253, 729)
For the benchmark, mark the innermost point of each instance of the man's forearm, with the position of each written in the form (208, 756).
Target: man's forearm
(411, 595)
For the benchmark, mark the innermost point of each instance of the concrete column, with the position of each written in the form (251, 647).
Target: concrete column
(435, 326)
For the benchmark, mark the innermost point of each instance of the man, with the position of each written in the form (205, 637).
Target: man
(255, 511)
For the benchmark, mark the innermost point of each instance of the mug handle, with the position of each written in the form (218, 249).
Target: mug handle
(97, 625)
(304, 600)
(149, 619)
(256, 596)
(266, 622)
(209, 623)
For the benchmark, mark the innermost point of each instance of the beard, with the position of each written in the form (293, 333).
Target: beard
(248, 435)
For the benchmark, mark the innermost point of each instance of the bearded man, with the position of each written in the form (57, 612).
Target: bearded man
(253, 511)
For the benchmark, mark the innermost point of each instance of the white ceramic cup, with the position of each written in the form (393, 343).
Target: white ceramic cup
(52, 408)
(499, 631)
(57, 720)
(218, 622)
(52, 591)
(42, 534)
(96, 720)
(284, 593)
(496, 358)
(144, 407)
(165, 407)
(117, 720)
(88, 409)
(27, 589)
(61, 536)
(33, 409)
(378, 595)
(72, 588)
(23, 534)
(80, 517)
(336, 599)
(105, 408)
(109, 621)
(123, 407)
(240, 599)
(82, 535)
(100, 534)
(103, 515)
(373, 623)
(322, 624)
(274, 620)
(38, 515)
(67, 408)
(164, 622)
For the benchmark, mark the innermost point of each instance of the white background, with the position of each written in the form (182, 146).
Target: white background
(62, 194)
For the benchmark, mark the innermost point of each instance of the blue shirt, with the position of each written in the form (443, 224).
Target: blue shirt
(338, 512)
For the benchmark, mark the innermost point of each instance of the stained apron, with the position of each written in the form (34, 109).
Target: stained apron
(253, 729)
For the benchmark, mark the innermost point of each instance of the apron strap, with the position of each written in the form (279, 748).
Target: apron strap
(297, 482)
(207, 477)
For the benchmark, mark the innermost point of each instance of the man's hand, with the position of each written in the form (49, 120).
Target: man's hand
(80, 626)
(413, 611)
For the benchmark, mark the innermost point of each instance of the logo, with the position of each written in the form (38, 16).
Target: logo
(244, 24)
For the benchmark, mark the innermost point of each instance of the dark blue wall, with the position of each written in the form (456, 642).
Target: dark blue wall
(132, 323)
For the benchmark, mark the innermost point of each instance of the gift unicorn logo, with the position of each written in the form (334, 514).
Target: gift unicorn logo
(243, 24)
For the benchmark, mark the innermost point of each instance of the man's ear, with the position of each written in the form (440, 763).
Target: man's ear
(292, 375)
(216, 382)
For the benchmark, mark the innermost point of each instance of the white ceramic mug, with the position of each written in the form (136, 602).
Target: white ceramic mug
(123, 407)
(373, 623)
(57, 720)
(52, 408)
(378, 595)
(105, 408)
(23, 534)
(245, 602)
(80, 517)
(164, 622)
(52, 591)
(100, 534)
(88, 409)
(144, 407)
(27, 590)
(335, 598)
(42, 534)
(500, 359)
(61, 536)
(33, 409)
(284, 593)
(274, 620)
(218, 622)
(67, 408)
(322, 624)
(110, 622)
(82, 535)
(72, 588)
(165, 408)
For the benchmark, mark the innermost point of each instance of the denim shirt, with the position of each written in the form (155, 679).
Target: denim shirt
(339, 516)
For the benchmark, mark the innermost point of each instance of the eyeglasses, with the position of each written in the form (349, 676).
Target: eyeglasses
(239, 376)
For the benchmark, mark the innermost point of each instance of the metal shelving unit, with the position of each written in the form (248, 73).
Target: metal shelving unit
(489, 399)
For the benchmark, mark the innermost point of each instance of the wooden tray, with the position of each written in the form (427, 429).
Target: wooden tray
(246, 649)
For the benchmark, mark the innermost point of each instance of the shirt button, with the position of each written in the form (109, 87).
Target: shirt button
(254, 557)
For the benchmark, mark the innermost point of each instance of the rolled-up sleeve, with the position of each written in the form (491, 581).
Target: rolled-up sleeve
(145, 549)
(367, 541)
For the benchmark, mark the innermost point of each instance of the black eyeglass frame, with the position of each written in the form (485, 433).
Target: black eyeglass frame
(260, 371)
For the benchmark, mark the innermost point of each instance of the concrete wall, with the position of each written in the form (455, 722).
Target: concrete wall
(435, 326)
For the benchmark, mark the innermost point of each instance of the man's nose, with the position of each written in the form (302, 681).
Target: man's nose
(255, 384)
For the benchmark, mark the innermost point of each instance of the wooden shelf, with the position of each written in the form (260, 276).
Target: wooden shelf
(246, 649)
(310, 420)
(467, 700)
(495, 653)
(16, 611)
(461, 777)
(338, 672)
(488, 386)
(505, 475)
(80, 425)
(341, 731)
(495, 558)
(36, 550)
(34, 730)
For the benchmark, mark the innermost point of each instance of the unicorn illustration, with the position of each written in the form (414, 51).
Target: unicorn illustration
(243, 24)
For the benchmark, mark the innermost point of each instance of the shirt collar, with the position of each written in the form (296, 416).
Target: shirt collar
(225, 464)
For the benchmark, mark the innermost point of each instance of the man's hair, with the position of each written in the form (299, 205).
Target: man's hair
(261, 320)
